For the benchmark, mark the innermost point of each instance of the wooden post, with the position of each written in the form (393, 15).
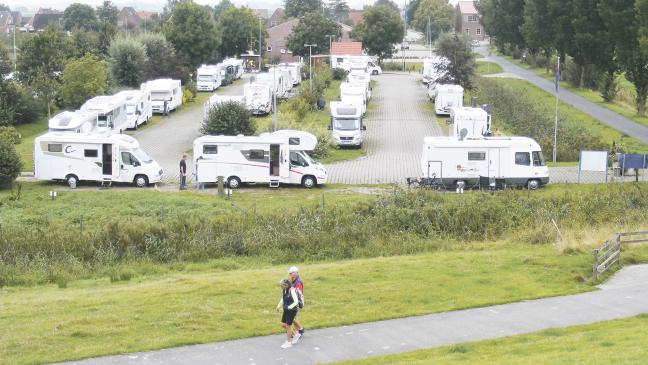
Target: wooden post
(595, 264)
(219, 180)
(323, 202)
(81, 223)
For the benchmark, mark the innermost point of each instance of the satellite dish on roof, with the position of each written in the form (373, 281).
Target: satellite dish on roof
(463, 133)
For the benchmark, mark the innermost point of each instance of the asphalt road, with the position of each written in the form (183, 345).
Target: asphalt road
(606, 116)
(625, 295)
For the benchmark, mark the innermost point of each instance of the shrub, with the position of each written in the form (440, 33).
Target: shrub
(192, 88)
(17, 104)
(229, 118)
(338, 74)
(82, 79)
(10, 134)
(9, 163)
(127, 61)
(323, 146)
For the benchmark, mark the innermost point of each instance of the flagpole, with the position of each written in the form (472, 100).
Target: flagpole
(555, 141)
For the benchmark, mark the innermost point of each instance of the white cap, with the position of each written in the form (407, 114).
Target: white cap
(293, 269)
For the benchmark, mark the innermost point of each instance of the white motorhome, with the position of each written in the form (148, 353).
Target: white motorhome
(162, 90)
(258, 98)
(237, 65)
(110, 111)
(360, 77)
(274, 80)
(138, 106)
(453, 162)
(283, 76)
(448, 97)
(346, 124)
(218, 99)
(354, 94)
(475, 121)
(75, 122)
(263, 159)
(102, 157)
(348, 63)
(294, 69)
(208, 77)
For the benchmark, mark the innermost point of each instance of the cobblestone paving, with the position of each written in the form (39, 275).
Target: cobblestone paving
(166, 141)
(396, 125)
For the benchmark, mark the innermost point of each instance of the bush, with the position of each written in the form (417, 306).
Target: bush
(192, 89)
(228, 118)
(339, 74)
(17, 104)
(9, 163)
(10, 134)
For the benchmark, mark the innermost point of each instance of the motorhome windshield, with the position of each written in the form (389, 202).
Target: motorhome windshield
(346, 124)
(142, 156)
(538, 158)
(206, 78)
(102, 120)
(160, 95)
(130, 109)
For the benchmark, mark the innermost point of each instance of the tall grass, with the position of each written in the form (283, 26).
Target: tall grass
(401, 222)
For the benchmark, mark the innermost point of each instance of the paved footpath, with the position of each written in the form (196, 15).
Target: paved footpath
(166, 141)
(625, 295)
(606, 116)
(394, 137)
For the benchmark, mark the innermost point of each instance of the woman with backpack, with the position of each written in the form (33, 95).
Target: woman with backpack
(295, 280)
(290, 303)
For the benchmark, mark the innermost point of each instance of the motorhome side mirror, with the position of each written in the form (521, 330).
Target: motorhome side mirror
(136, 163)
(330, 128)
(448, 121)
(364, 127)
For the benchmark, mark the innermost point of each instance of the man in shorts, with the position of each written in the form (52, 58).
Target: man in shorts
(290, 304)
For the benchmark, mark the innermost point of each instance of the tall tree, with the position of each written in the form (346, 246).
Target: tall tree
(313, 28)
(298, 8)
(381, 27)
(502, 19)
(168, 63)
(239, 28)
(622, 19)
(45, 52)
(642, 11)
(108, 12)
(127, 62)
(6, 66)
(338, 10)
(193, 33)
(410, 10)
(591, 41)
(220, 7)
(82, 79)
(538, 35)
(437, 13)
(388, 3)
(562, 13)
(458, 50)
(85, 42)
(79, 16)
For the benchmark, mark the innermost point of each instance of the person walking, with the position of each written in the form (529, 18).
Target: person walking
(165, 108)
(289, 302)
(183, 172)
(295, 280)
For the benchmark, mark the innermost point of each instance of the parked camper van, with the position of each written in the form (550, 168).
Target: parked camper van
(165, 89)
(264, 159)
(208, 77)
(258, 98)
(346, 124)
(237, 67)
(349, 63)
(294, 70)
(469, 122)
(354, 94)
(75, 122)
(110, 111)
(283, 76)
(360, 77)
(430, 71)
(274, 80)
(448, 97)
(218, 99)
(138, 106)
(103, 157)
(456, 163)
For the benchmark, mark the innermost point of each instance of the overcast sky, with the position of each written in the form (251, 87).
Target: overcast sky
(157, 5)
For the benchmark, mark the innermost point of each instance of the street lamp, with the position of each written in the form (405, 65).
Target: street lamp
(330, 37)
(310, 63)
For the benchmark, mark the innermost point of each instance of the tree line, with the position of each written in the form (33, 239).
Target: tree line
(602, 38)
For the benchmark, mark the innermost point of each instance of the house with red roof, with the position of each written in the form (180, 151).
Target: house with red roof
(467, 20)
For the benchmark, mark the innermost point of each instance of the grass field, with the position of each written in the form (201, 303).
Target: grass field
(566, 111)
(624, 107)
(613, 342)
(488, 68)
(227, 299)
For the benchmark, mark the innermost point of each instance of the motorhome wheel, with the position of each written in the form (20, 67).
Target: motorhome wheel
(308, 182)
(72, 181)
(374, 72)
(533, 184)
(234, 182)
(141, 181)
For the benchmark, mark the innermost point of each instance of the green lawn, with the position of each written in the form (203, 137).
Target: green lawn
(625, 108)
(619, 342)
(488, 68)
(25, 148)
(228, 299)
(547, 101)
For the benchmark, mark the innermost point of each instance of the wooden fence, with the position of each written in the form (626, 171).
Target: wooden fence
(610, 253)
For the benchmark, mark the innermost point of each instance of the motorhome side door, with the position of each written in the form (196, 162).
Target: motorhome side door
(284, 161)
(110, 160)
(494, 165)
(435, 169)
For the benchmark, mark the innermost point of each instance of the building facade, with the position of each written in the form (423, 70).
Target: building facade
(467, 21)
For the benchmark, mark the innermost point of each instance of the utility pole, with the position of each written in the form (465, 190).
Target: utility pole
(274, 97)
(260, 44)
(555, 139)
(14, 49)
(310, 63)
(330, 36)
